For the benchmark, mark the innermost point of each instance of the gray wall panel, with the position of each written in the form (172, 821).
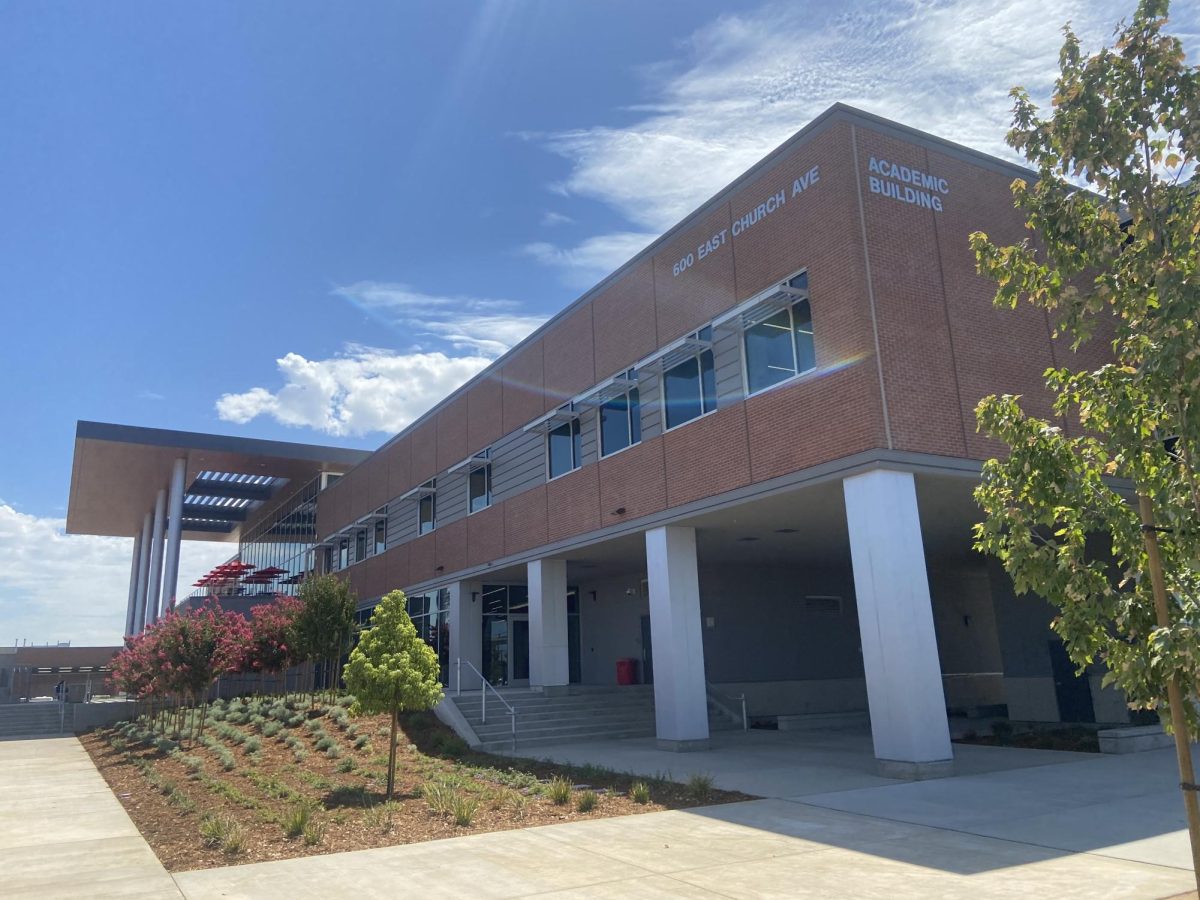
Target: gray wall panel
(518, 464)
(727, 363)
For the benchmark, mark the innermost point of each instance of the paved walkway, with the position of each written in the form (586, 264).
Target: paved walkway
(63, 833)
(1002, 832)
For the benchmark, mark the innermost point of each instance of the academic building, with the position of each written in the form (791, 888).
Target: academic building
(741, 466)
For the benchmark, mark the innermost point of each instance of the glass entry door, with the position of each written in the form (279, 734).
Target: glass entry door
(518, 651)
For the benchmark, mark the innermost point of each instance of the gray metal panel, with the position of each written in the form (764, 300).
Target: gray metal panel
(402, 521)
(727, 366)
(650, 394)
(451, 497)
(518, 464)
(589, 435)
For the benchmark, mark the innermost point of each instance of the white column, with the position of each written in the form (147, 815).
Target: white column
(549, 662)
(895, 622)
(174, 530)
(139, 611)
(134, 569)
(154, 586)
(466, 632)
(680, 694)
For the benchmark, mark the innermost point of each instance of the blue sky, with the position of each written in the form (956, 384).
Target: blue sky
(309, 221)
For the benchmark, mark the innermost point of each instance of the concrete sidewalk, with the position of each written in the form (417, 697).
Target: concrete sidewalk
(63, 833)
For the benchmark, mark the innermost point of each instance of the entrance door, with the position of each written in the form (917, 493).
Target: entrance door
(518, 650)
(647, 653)
(1074, 692)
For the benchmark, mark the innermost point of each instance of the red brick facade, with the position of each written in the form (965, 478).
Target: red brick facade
(907, 342)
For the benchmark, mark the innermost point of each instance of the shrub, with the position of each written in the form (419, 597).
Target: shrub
(462, 809)
(314, 833)
(325, 743)
(253, 745)
(699, 787)
(224, 832)
(439, 796)
(559, 790)
(380, 817)
(639, 792)
(333, 752)
(270, 729)
(586, 801)
(360, 742)
(296, 820)
(346, 766)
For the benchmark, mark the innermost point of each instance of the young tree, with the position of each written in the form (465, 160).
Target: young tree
(272, 630)
(392, 670)
(326, 622)
(1103, 520)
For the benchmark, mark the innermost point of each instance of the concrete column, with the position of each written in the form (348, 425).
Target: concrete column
(466, 632)
(139, 605)
(895, 621)
(174, 530)
(134, 569)
(549, 660)
(154, 586)
(680, 692)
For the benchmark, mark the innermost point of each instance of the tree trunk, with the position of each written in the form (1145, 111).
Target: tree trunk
(391, 781)
(1183, 750)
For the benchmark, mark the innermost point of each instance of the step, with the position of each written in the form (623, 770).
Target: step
(527, 743)
(497, 733)
(575, 715)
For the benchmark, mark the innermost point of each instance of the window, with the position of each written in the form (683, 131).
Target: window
(620, 422)
(479, 488)
(343, 554)
(690, 388)
(779, 347)
(426, 508)
(360, 545)
(328, 560)
(564, 448)
(380, 535)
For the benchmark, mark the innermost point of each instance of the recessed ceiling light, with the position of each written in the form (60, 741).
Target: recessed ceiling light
(785, 530)
(747, 539)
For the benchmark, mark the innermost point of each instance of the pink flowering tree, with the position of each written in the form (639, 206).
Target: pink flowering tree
(271, 644)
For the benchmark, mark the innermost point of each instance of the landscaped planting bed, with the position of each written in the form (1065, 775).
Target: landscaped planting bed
(274, 778)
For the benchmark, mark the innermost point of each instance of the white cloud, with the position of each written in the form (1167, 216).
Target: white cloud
(592, 259)
(551, 218)
(366, 389)
(362, 390)
(744, 83)
(477, 325)
(55, 586)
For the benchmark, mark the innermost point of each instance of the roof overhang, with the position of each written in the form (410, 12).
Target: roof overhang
(118, 470)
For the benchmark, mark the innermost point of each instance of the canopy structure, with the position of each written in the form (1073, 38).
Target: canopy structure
(118, 470)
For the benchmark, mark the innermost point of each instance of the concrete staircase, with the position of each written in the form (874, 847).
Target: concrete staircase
(587, 713)
(29, 720)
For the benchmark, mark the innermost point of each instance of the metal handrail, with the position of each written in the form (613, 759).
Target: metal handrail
(483, 689)
(741, 698)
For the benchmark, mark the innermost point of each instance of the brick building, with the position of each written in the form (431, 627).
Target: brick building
(744, 460)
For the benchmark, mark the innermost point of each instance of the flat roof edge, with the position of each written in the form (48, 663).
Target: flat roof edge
(194, 440)
(837, 112)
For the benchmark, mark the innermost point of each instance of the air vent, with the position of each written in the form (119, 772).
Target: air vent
(823, 604)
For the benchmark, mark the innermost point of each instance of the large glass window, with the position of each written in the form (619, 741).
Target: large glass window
(564, 448)
(430, 614)
(427, 508)
(479, 488)
(360, 545)
(620, 422)
(779, 347)
(380, 535)
(690, 388)
(343, 554)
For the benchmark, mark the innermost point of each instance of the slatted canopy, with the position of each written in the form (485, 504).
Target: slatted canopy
(118, 470)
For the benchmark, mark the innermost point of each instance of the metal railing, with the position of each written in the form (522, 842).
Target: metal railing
(725, 703)
(484, 686)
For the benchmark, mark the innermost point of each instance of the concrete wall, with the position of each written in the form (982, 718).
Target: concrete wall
(968, 641)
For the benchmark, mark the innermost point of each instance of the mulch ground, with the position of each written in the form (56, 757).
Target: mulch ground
(169, 793)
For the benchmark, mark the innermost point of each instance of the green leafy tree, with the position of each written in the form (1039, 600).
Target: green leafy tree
(325, 623)
(392, 670)
(1102, 518)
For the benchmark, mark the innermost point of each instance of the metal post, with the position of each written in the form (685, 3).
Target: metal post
(154, 585)
(139, 611)
(458, 676)
(174, 530)
(483, 702)
(745, 720)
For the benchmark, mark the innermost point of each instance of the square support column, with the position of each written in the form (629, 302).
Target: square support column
(134, 571)
(143, 584)
(466, 633)
(170, 582)
(154, 585)
(895, 621)
(549, 662)
(680, 692)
